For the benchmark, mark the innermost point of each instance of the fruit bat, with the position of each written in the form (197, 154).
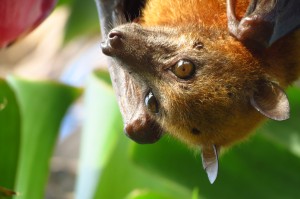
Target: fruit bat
(207, 72)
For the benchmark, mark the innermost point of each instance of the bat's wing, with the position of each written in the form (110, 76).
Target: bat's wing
(114, 12)
(265, 21)
(139, 126)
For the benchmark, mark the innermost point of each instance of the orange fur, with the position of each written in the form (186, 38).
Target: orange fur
(177, 12)
(174, 13)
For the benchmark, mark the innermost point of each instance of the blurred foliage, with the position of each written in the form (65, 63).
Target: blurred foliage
(42, 107)
(83, 19)
(30, 116)
(10, 135)
(64, 2)
(114, 167)
(99, 135)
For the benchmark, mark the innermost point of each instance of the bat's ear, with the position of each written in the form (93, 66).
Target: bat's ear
(271, 101)
(210, 161)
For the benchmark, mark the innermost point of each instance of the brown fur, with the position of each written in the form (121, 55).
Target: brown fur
(231, 75)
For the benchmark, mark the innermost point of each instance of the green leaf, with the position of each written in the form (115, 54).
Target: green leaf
(64, 2)
(146, 194)
(195, 194)
(42, 105)
(121, 176)
(100, 131)
(83, 19)
(171, 159)
(265, 168)
(9, 135)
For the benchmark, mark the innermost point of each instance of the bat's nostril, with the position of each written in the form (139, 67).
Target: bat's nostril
(112, 43)
(114, 39)
(114, 34)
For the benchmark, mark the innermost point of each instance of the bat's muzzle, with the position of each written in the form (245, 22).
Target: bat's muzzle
(143, 130)
(127, 45)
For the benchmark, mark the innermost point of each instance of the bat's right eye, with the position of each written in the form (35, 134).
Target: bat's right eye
(151, 103)
(184, 69)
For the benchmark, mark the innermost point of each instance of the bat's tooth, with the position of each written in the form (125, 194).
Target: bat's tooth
(210, 162)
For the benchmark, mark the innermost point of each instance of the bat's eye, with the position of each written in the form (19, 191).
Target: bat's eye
(151, 103)
(184, 69)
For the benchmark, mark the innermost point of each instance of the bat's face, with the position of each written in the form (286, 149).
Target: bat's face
(199, 85)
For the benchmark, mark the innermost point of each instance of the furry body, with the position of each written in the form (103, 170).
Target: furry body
(232, 72)
(214, 106)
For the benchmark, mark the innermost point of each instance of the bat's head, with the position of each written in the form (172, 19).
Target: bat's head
(199, 84)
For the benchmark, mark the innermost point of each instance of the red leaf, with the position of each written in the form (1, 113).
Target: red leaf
(18, 17)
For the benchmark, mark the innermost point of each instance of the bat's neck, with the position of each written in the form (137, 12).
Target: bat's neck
(209, 13)
(178, 12)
